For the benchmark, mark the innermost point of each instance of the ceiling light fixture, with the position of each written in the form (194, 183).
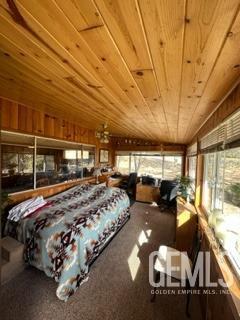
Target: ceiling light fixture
(103, 134)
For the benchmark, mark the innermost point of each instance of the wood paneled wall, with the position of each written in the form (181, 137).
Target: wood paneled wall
(228, 106)
(24, 119)
(160, 148)
(131, 144)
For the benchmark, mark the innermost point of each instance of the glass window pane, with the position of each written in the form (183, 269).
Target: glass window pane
(68, 165)
(232, 181)
(88, 161)
(219, 174)
(48, 166)
(70, 154)
(209, 181)
(49, 160)
(147, 164)
(56, 166)
(122, 164)
(17, 168)
(231, 206)
(213, 181)
(56, 161)
(172, 167)
(192, 166)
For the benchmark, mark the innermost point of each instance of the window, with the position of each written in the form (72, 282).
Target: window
(221, 190)
(232, 181)
(56, 161)
(172, 167)
(149, 163)
(209, 180)
(17, 168)
(45, 163)
(221, 198)
(123, 163)
(88, 161)
(57, 165)
(70, 165)
(192, 166)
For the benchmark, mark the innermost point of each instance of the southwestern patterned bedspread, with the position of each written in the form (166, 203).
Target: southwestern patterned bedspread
(66, 235)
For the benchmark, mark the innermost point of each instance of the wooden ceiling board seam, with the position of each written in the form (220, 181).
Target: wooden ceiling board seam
(17, 96)
(210, 23)
(143, 5)
(216, 60)
(64, 49)
(39, 61)
(133, 96)
(55, 39)
(83, 104)
(144, 29)
(116, 17)
(34, 104)
(75, 7)
(122, 61)
(183, 51)
(49, 75)
(226, 70)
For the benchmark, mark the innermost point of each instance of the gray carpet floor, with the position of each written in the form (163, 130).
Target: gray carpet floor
(118, 286)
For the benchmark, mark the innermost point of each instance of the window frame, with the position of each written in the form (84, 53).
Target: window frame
(35, 146)
(220, 179)
(131, 154)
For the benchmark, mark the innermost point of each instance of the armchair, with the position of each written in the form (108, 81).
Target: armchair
(130, 184)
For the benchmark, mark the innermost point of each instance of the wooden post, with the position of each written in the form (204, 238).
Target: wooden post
(199, 179)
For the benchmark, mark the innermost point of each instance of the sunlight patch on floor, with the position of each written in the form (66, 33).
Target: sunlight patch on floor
(153, 204)
(144, 235)
(133, 260)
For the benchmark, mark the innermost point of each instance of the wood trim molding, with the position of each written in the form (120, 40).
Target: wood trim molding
(48, 190)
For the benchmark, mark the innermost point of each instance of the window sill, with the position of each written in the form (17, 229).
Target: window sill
(223, 263)
(47, 191)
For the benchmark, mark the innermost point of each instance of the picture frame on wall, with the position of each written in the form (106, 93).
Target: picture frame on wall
(103, 155)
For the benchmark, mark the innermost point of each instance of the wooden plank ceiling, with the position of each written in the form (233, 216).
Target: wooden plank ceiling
(151, 69)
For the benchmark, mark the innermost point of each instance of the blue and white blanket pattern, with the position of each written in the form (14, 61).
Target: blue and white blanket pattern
(64, 237)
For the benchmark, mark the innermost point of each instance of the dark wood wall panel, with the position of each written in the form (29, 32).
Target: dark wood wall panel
(25, 119)
(38, 122)
(21, 118)
(9, 114)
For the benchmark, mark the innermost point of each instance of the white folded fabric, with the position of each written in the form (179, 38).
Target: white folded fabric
(25, 208)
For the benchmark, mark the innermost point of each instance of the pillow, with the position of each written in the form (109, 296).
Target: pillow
(25, 208)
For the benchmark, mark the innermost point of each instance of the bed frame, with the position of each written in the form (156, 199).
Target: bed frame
(109, 240)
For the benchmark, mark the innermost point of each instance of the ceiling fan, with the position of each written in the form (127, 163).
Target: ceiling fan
(103, 134)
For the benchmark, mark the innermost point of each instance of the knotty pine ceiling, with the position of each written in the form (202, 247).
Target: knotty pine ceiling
(151, 69)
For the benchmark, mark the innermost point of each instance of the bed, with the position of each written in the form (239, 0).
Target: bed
(64, 237)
